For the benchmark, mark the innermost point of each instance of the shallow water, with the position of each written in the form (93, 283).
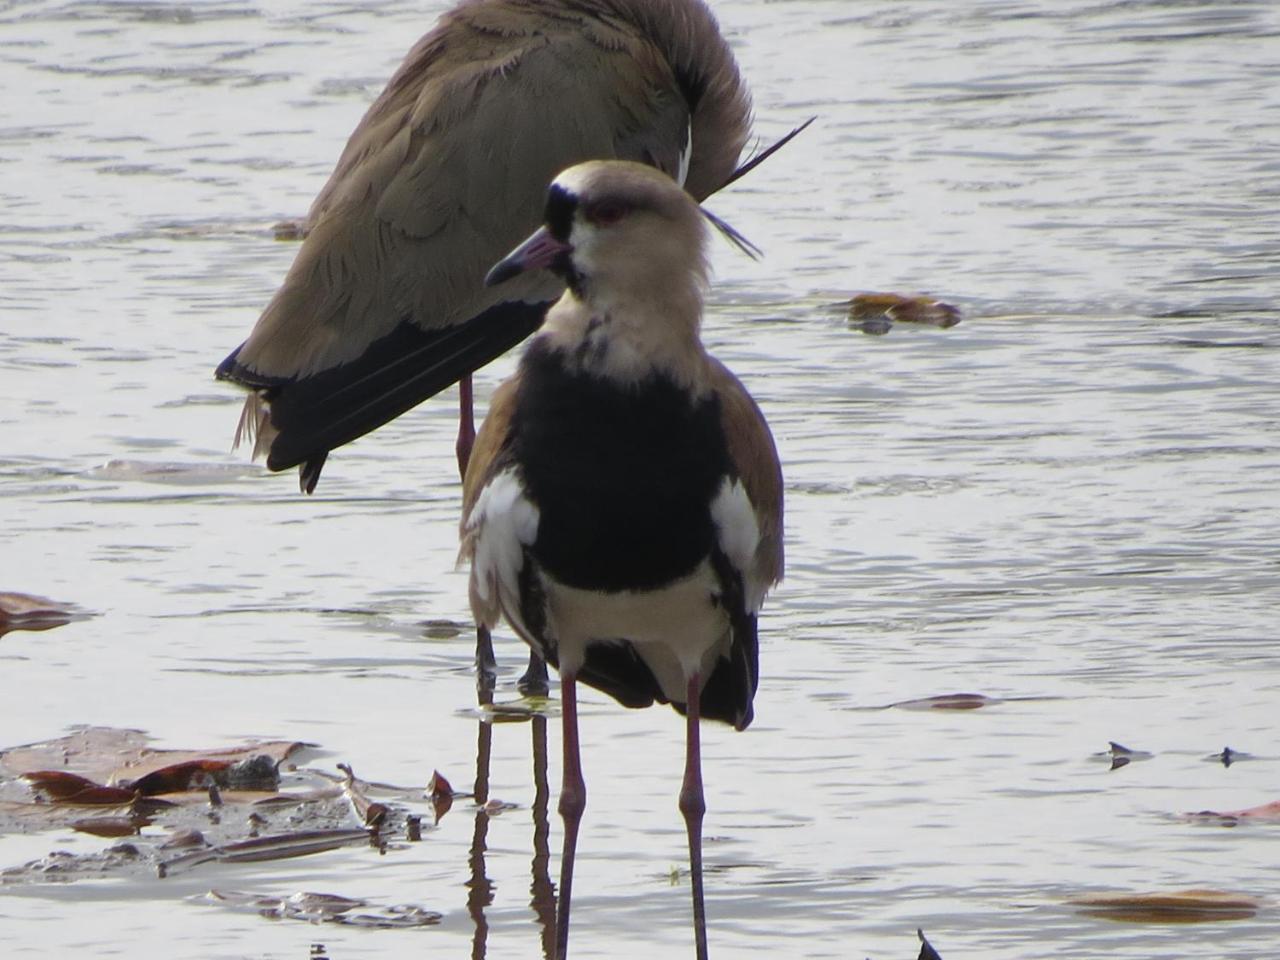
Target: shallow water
(1067, 502)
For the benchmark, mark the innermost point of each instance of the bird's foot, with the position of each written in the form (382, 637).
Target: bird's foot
(534, 682)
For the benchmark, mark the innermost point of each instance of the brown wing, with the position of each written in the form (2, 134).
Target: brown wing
(384, 304)
(487, 459)
(491, 441)
(755, 458)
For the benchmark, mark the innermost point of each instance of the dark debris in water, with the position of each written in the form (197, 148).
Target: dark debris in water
(1121, 756)
(1227, 756)
(169, 811)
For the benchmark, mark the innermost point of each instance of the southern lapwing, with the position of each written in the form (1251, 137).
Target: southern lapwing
(623, 504)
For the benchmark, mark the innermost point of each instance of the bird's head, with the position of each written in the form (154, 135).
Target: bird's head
(614, 229)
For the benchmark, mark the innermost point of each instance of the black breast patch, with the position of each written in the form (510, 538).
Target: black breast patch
(623, 478)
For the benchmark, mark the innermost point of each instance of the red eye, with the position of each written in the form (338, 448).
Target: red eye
(606, 212)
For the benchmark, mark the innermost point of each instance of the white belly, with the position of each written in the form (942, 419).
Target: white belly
(677, 630)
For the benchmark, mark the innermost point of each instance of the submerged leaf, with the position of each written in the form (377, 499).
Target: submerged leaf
(326, 908)
(1265, 811)
(1180, 906)
(948, 701)
(25, 611)
(283, 846)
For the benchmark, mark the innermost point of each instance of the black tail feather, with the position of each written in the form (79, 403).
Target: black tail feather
(320, 412)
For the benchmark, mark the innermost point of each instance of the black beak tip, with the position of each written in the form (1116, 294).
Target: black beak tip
(501, 272)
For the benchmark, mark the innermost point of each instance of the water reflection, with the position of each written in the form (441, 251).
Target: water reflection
(479, 887)
(1069, 496)
(542, 893)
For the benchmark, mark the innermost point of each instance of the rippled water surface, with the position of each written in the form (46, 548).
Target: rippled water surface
(1067, 503)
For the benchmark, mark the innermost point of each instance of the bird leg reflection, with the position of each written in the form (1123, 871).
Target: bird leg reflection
(542, 895)
(573, 800)
(479, 886)
(481, 890)
(693, 805)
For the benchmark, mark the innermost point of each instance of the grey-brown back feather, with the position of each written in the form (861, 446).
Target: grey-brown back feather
(447, 170)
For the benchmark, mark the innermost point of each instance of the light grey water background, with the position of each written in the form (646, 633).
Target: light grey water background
(1071, 497)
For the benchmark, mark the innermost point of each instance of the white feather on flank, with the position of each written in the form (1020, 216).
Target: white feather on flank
(499, 527)
(739, 537)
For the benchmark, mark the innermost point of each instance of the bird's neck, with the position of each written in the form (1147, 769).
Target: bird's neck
(627, 339)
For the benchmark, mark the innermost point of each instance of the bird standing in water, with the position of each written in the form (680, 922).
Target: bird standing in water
(623, 506)
(385, 304)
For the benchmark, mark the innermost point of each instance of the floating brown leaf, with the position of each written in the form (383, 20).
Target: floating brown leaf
(441, 793)
(181, 777)
(876, 313)
(72, 788)
(109, 755)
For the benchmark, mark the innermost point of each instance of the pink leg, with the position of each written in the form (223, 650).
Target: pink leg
(573, 800)
(693, 805)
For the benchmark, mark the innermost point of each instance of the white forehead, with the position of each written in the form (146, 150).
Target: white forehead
(574, 180)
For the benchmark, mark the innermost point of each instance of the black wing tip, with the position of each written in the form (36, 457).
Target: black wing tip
(316, 414)
(231, 369)
(226, 370)
(309, 472)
